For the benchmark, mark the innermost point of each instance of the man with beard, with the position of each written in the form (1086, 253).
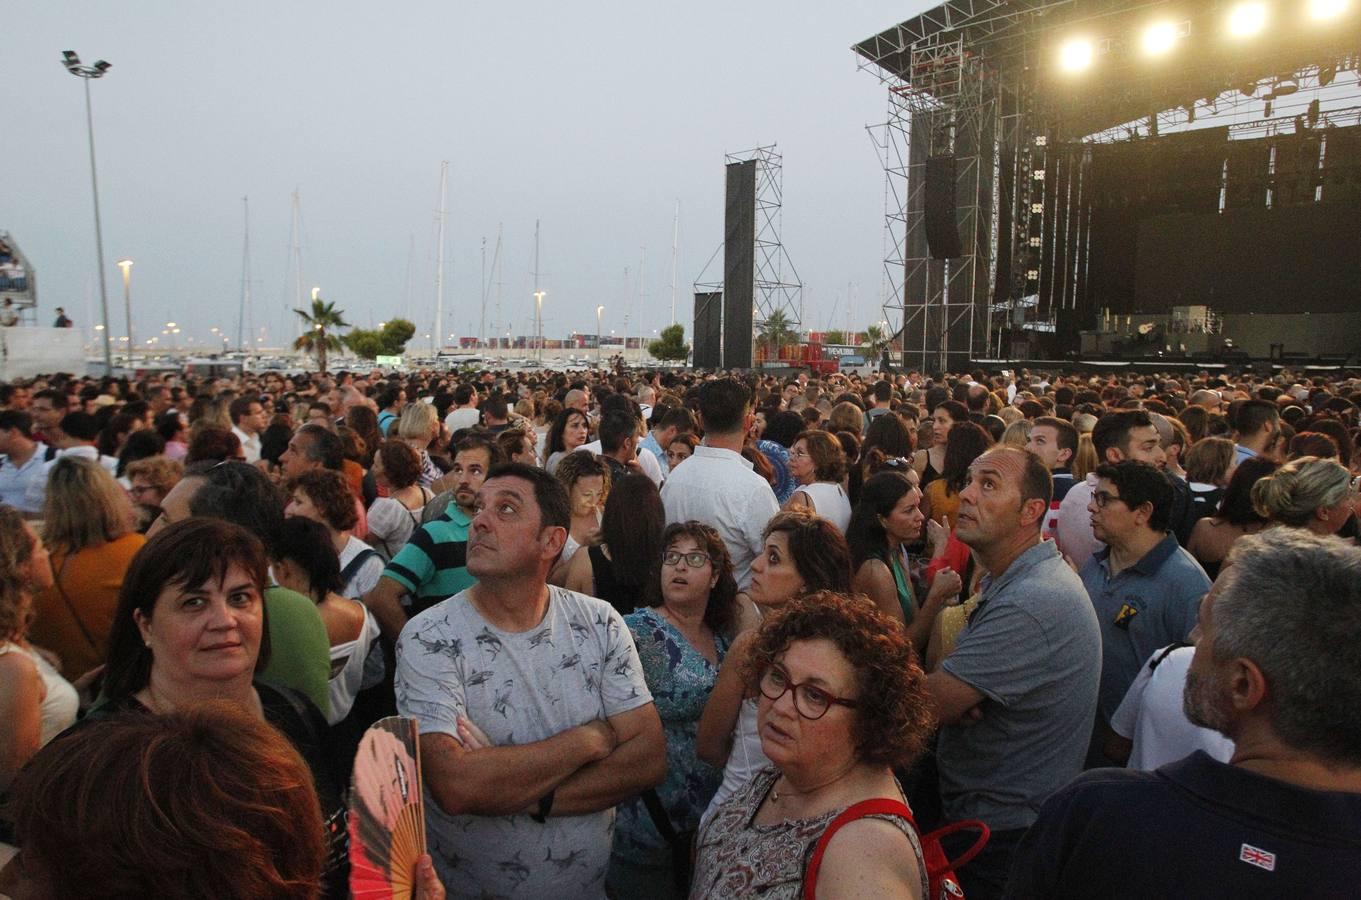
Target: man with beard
(536, 720)
(1275, 670)
(434, 563)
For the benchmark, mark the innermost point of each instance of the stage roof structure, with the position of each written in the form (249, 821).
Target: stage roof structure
(1020, 40)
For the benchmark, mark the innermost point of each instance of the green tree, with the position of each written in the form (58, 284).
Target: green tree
(834, 336)
(671, 344)
(877, 340)
(776, 331)
(395, 334)
(320, 321)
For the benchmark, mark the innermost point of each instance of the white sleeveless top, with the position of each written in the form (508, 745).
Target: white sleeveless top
(60, 703)
(830, 502)
(348, 668)
(744, 762)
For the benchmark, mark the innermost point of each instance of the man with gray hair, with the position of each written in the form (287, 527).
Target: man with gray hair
(1276, 670)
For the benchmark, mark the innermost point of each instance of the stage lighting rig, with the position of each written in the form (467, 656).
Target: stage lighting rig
(1321, 10)
(1159, 38)
(1076, 55)
(1247, 19)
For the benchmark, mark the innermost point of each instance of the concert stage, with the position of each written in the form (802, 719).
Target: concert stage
(1065, 176)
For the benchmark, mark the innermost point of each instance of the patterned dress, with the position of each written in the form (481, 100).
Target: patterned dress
(736, 858)
(680, 679)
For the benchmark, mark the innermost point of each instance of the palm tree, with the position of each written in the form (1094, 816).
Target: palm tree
(318, 339)
(877, 340)
(775, 332)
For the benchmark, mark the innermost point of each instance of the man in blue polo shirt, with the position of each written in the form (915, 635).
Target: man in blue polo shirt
(434, 563)
(1276, 671)
(1144, 587)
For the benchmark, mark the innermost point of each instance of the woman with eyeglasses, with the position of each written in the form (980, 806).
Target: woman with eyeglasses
(802, 553)
(818, 464)
(682, 635)
(842, 702)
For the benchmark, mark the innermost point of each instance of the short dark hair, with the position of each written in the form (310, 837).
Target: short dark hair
(616, 426)
(18, 420)
(495, 407)
(212, 443)
(1065, 435)
(188, 553)
(1140, 483)
(723, 402)
(679, 418)
(81, 426)
(308, 544)
(243, 495)
(323, 446)
(1251, 416)
(330, 494)
(240, 407)
(783, 428)
(549, 493)
(463, 393)
(58, 399)
(480, 440)
(1235, 507)
(1112, 430)
(883, 392)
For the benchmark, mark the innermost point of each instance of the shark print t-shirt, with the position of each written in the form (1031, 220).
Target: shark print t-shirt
(579, 664)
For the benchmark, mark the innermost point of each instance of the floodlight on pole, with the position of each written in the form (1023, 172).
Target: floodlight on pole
(1159, 38)
(1321, 10)
(1247, 19)
(1076, 55)
(126, 266)
(85, 74)
(538, 331)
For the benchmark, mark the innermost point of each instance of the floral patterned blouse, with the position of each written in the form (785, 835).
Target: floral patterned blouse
(680, 680)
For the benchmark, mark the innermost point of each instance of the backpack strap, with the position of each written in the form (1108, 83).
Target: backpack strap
(356, 564)
(877, 807)
(657, 812)
(1166, 652)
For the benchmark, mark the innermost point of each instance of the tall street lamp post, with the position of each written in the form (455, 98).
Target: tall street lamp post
(538, 295)
(86, 73)
(598, 336)
(126, 266)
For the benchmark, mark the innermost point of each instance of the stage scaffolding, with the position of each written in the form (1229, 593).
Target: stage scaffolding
(975, 79)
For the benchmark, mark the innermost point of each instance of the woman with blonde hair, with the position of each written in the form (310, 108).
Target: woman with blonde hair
(88, 527)
(36, 703)
(418, 426)
(1085, 459)
(1310, 493)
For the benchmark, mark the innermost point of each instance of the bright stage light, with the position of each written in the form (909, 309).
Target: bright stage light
(1159, 38)
(1075, 55)
(1246, 19)
(1326, 9)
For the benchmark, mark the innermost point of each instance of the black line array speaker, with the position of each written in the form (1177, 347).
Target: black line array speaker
(942, 228)
(708, 352)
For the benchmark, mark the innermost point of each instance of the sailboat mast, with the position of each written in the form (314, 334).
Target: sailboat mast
(497, 265)
(297, 250)
(437, 336)
(538, 299)
(641, 265)
(243, 324)
(675, 243)
(482, 283)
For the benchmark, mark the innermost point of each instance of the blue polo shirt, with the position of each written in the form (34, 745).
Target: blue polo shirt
(1149, 605)
(1193, 828)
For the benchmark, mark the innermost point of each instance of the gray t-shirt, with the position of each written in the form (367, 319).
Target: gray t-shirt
(579, 664)
(1033, 650)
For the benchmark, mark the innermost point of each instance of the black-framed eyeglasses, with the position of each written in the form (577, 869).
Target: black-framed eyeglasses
(693, 559)
(1102, 499)
(810, 701)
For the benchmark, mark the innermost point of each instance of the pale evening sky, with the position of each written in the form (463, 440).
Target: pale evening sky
(593, 117)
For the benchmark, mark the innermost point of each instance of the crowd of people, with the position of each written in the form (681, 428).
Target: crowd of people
(661, 631)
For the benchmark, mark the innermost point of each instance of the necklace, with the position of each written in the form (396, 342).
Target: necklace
(775, 788)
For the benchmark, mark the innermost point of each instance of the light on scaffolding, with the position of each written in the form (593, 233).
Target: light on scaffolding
(1246, 19)
(1076, 55)
(1159, 38)
(1326, 9)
